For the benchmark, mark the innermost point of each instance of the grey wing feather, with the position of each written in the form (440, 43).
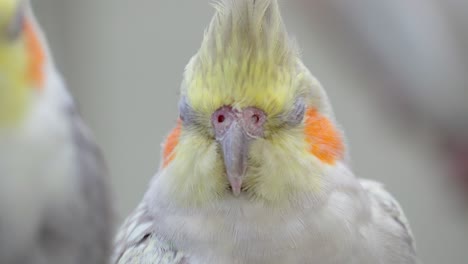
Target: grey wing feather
(93, 174)
(137, 243)
(391, 208)
(80, 229)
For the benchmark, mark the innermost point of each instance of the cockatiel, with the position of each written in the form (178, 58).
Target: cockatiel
(54, 204)
(255, 170)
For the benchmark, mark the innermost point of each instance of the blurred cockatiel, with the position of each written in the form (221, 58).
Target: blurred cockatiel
(53, 199)
(255, 171)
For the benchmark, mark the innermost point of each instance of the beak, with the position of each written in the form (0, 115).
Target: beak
(235, 145)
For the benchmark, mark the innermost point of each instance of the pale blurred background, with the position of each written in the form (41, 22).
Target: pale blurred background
(396, 72)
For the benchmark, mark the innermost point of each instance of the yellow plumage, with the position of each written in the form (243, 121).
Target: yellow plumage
(14, 94)
(8, 9)
(198, 157)
(246, 59)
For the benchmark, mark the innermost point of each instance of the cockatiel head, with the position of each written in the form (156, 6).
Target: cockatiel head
(22, 60)
(253, 120)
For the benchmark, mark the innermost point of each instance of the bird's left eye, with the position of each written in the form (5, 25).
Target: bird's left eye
(296, 116)
(15, 27)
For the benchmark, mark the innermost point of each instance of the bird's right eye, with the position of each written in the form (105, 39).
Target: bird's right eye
(186, 113)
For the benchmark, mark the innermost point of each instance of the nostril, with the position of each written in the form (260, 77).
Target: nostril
(256, 118)
(221, 118)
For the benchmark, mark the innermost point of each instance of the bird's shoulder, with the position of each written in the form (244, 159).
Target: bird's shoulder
(388, 212)
(136, 242)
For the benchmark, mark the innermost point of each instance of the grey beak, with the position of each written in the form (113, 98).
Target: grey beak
(235, 145)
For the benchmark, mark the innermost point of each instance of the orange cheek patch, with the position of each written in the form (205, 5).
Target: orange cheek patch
(170, 144)
(36, 55)
(324, 139)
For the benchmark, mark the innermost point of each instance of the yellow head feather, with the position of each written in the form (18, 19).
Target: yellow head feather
(13, 65)
(22, 60)
(7, 10)
(246, 59)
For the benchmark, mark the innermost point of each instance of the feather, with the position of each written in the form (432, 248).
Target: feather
(246, 58)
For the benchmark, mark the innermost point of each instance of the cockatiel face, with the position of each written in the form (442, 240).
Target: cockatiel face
(21, 61)
(253, 120)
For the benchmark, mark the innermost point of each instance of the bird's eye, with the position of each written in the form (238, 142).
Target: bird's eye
(296, 116)
(186, 113)
(15, 26)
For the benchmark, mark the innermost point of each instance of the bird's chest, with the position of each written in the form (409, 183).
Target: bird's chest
(36, 173)
(253, 234)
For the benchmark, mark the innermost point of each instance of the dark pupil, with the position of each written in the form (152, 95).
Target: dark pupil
(221, 118)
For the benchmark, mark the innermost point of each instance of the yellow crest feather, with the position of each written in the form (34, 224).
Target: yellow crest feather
(246, 59)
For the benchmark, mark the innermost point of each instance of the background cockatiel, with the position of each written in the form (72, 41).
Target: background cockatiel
(255, 171)
(54, 204)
